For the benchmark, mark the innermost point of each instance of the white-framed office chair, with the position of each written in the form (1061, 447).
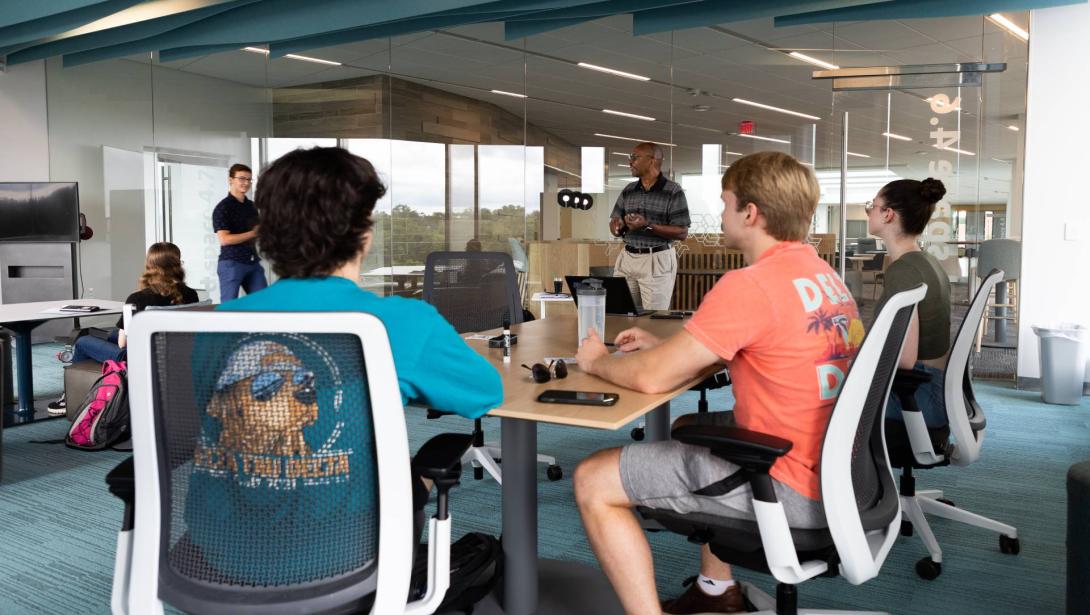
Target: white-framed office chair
(196, 380)
(859, 495)
(478, 291)
(912, 445)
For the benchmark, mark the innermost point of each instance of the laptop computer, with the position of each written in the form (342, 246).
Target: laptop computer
(618, 297)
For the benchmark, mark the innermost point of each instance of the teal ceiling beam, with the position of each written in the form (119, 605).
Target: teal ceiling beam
(114, 36)
(712, 12)
(57, 23)
(185, 53)
(917, 9)
(23, 11)
(520, 27)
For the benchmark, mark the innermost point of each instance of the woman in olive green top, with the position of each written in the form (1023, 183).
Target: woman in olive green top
(898, 216)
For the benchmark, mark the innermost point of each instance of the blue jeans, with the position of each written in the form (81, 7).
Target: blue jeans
(234, 275)
(930, 399)
(101, 350)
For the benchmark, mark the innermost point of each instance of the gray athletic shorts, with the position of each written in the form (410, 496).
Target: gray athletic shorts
(663, 475)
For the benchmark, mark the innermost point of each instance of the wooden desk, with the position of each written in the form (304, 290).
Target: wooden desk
(520, 414)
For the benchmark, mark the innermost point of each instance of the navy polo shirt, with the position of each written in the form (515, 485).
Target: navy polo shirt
(235, 217)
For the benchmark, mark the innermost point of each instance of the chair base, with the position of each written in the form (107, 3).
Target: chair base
(916, 507)
(767, 605)
(485, 457)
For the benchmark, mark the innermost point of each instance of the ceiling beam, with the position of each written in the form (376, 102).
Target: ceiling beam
(916, 9)
(711, 12)
(23, 32)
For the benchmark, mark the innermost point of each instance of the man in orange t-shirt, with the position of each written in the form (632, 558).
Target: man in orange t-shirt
(787, 327)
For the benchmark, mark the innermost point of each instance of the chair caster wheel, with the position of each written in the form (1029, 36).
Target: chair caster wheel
(637, 434)
(1009, 545)
(554, 473)
(906, 528)
(949, 503)
(478, 473)
(928, 569)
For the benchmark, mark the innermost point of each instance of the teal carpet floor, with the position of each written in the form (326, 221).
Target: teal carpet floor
(58, 524)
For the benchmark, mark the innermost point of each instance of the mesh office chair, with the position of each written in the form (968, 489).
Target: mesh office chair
(858, 492)
(913, 445)
(477, 291)
(522, 267)
(272, 469)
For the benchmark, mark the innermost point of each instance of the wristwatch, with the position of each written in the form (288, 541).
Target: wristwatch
(648, 228)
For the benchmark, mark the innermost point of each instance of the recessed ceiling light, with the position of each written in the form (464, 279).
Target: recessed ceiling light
(631, 115)
(508, 93)
(1009, 26)
(759, 138)
(733, 153)
(619, 154)
(1012, 127)
(857, 155)
(955, 150)
(814, 61)
(598, 134)
(742, 101)
(896, 136)
(256, 50)
(613, 71)
(310, 59)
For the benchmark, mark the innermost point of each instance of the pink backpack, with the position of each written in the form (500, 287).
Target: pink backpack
(103, 417)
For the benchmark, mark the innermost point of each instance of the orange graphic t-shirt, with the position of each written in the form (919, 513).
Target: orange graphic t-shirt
(789, 329)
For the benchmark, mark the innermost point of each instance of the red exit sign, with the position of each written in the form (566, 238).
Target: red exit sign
(745, 127)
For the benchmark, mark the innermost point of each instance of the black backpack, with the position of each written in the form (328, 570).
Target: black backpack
(476, 563)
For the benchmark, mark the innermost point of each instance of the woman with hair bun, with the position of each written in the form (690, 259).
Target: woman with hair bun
(898, 216)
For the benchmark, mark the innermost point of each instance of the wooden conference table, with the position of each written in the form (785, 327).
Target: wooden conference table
(520, 414)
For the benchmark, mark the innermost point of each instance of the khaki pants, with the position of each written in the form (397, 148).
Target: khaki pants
(650, 277)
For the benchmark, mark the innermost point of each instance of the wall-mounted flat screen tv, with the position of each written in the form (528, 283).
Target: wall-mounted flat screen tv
(39, 211)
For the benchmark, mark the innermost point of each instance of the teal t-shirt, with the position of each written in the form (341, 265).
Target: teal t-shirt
(282, 486)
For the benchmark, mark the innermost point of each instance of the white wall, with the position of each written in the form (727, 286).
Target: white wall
(1053, 285)
(125, 105)
(24, 145)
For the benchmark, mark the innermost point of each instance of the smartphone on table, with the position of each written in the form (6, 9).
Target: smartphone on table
(583, 398)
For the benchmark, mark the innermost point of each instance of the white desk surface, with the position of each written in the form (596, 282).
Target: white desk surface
(396, 270)
(21, 312)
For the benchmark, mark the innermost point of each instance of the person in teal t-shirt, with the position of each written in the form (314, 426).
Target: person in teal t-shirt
(316, 207)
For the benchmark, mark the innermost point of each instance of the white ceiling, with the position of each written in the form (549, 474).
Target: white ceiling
(715, 65)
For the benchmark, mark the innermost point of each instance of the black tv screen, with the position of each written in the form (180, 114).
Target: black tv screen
(39, 211)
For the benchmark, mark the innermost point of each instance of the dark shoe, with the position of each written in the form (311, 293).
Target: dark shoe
(58, 407)
(694, 600)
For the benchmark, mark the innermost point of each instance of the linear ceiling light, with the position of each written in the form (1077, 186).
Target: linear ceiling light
(771, 108)
(896, 136)
(1009, 26)
(814, 61)
(733, 153)
(631, 115)
(619, 154)
(256, 50)
(857, 155)
(1012, 127)
(508, 93)
(759, 138)
(295, 56)
(598, 134)
(613, 71)
(955, 150)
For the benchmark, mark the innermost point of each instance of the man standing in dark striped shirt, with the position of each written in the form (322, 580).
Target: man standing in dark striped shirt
(650, 214)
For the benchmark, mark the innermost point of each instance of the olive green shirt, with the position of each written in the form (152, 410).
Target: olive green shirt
(907, 273)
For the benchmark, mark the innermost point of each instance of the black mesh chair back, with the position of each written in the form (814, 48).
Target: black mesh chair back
(474, 291)
(268, 473)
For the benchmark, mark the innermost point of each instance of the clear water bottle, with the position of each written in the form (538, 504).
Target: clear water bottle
(592, 308)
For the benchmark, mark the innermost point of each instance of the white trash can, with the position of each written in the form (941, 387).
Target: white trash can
(1062, 350)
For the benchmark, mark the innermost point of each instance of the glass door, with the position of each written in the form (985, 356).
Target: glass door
(188, 194)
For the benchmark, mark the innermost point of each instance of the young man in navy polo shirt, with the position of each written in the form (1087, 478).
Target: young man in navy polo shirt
(235, 222)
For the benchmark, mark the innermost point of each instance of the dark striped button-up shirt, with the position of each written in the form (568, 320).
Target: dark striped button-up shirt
(664, 203)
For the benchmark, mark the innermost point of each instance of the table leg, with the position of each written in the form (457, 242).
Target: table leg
(657, 427)
(518, 439)
(24, 364)
(542, 309)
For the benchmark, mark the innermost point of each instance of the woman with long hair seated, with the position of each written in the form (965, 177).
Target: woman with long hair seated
(161, 284)
(898, 216)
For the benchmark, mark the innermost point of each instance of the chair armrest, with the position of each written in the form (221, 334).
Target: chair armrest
(121, 481)
(752, 450)
(715, 381)
(441, 456)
